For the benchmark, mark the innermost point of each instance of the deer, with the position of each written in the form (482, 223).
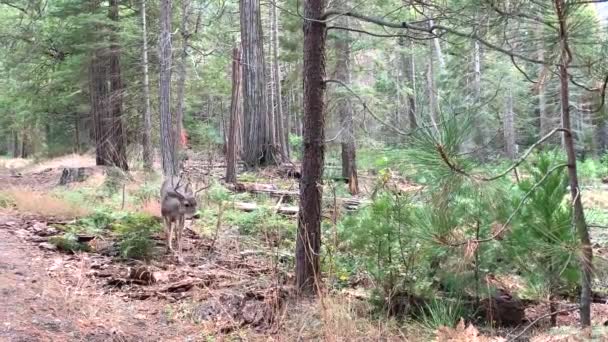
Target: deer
(178, 203)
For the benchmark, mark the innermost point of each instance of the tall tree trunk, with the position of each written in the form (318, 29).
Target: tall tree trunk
(16, 145)
(232, 148)
(24, 143)
(308, 243)
(438, 51)
(544, 120)
(168, 148)
(77, 133)
(408, 69)
(181, 74)
(146, 140)
(477, 70)
(259, 147)
(345, 109)
(98, 84)
(119, 153)
(568, 141)
(280, 121)
(432, 88)
(509, 125)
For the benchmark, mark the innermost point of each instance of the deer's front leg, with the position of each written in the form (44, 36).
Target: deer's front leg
(169, 231)
(180, 229)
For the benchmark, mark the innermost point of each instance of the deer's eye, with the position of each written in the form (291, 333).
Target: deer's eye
(187, 205)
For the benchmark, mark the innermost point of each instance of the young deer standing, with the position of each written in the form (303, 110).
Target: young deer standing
(178, 202)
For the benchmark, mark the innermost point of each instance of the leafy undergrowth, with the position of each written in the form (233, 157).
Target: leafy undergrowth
(238, 270)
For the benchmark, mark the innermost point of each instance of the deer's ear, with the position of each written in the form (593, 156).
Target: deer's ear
(175, 194)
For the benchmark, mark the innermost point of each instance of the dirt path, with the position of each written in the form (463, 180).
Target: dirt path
(36, 305)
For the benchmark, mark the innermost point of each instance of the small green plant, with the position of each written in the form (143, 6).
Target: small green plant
(135, 235)
(6, 201)
(68, 242)
(114, 181)
(442, 313)
(386, 241)
(295, 145)
(146, 193)
(542, 241)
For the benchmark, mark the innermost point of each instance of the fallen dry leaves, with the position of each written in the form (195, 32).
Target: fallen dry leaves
(464, 333)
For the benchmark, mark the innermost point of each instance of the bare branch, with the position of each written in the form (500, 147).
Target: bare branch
(514, 338)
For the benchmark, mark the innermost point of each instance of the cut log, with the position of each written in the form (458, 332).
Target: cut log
(74, 174)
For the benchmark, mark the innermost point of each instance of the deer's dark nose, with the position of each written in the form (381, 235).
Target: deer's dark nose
(196, 216)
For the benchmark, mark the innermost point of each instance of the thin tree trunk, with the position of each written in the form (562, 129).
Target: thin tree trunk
(477, 70)
(308, 243)
(509, 125)
(259, 148)
(544, 120)
(119, 153)
(98, 84)
(24, 143)
(77, 133)
(147, 116)
(432, 88)
(231, 150)
(438, 51)
(408, 69)
(168, 148)
(181, 74)
(568, 141)
(345, 109)
(276, 72)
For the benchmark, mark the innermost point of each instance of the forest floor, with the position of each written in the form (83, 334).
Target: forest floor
(228, 288)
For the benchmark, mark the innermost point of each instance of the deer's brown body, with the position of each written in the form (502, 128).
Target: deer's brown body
(178, 203)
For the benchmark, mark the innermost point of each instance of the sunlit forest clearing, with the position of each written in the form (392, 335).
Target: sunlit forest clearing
(284, 170)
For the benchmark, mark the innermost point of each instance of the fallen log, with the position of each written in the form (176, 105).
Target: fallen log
(259, 188)
(350, 203)
(248, 207)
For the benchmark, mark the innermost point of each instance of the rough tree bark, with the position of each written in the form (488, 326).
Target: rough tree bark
(345, 110)
(509, 125)
(544, 120)
(259, 145)
(119, 144)
(98, 90)
(231, 150)
(432, 88)
(578, 218)
(168, 148)
(181, 73)
(408, 70)
(280, 121)
(308, 243)
(146, 140)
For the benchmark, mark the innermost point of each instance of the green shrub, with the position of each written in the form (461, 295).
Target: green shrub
(442, 312)
(135, 235)
(592, 170)
(68, 242)
(383, 237)
(295, 146)
(146, 192)
(114, 181)
(6, 201)
(542, 241)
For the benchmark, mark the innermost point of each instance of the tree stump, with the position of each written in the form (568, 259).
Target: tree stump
(503, 309)
(73, 174)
